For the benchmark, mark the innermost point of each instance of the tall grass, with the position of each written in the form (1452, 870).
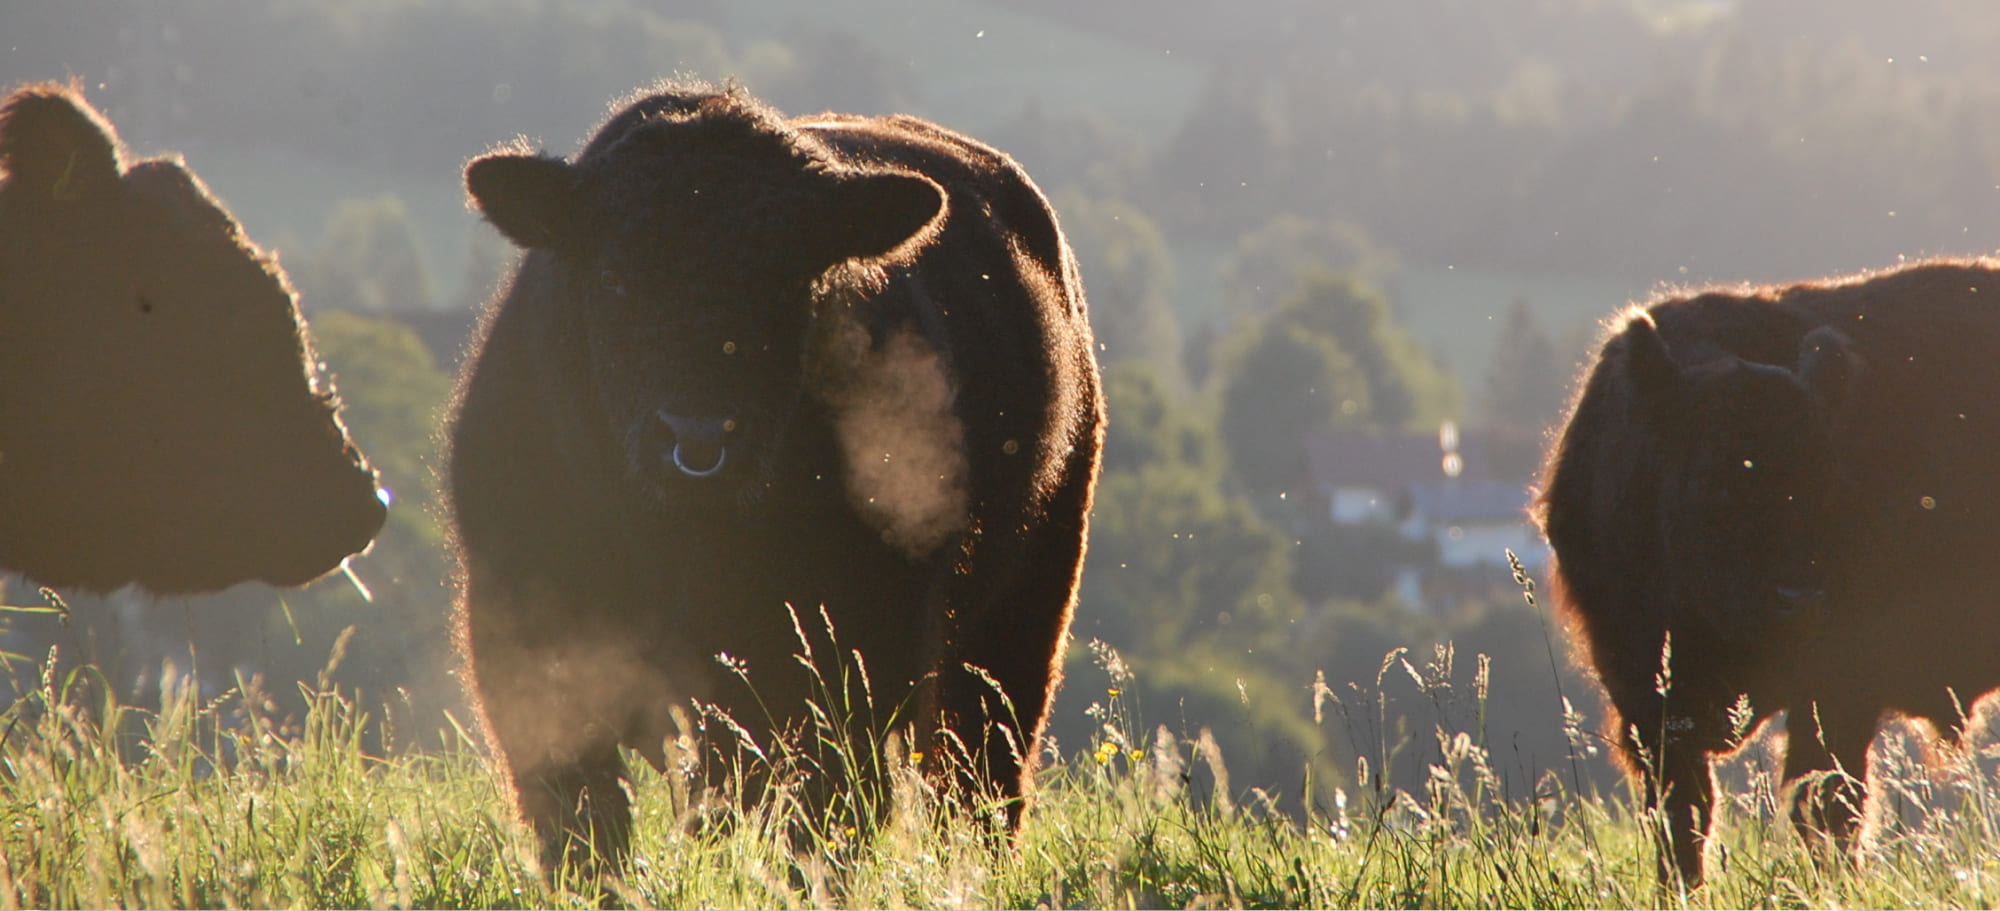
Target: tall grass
(222, 804)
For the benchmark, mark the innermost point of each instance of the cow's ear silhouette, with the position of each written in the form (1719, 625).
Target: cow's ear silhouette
(1647, 363)
(871, 215)
(533, 199)
(56, 146)
(1828, 364)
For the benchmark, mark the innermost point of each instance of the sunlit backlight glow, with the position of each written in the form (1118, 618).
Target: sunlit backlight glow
(361, 589)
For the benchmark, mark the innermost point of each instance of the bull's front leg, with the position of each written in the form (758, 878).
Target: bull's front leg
(1687, 810)
(1825, 773)
(551, 720)
(1670, 749)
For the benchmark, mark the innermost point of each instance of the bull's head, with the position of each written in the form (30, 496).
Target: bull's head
(685, 246)
(1749, 477)
(160, 419)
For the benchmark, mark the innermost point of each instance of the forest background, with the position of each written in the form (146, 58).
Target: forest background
(1296, 220)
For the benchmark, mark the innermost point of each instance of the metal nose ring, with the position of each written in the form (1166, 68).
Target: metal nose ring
(711, 439)
(721, 456)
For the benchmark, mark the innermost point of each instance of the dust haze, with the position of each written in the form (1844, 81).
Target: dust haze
(903, 444)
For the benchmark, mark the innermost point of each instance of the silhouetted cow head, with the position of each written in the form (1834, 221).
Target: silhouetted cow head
(688, 237)
(161, 421)
(1748, 474)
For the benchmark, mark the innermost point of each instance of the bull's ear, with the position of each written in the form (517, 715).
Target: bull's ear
(1647, 363)
(1828, 364)
(872, 214)
(56, 145)
(533, 199)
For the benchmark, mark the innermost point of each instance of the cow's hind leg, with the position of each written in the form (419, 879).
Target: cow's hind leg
(1825, 774)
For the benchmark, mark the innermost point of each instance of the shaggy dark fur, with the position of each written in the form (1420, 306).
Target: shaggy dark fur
(747, 363)
(1799, 485)
(160, 419)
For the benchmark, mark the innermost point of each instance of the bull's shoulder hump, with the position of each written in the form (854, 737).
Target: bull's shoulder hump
(970, 171)
(904, 139)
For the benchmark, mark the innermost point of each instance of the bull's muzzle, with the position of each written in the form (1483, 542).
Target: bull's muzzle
(699, 446)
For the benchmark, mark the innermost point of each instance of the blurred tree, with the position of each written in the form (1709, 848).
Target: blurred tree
(1523, 393)
(393, 398)
(1406, 389)
(1525, 382)
(1152, 428)
(1282, 382)
(1270, 262)
(1329, 356)
(1170, 548)
(1173, 560)
(368, 261)
(1190, 583)
(1128, 273)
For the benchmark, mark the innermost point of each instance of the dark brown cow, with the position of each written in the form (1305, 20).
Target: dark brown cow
(1797, 484)
(750, 362)
(160, 421)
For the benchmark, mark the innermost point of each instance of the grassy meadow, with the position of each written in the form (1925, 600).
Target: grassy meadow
(220, 803)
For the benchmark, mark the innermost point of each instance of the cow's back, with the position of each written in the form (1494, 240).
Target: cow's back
(1917, 439)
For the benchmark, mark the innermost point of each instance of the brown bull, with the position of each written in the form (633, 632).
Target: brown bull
(161, 418)
(1800, 486)
(750, 362)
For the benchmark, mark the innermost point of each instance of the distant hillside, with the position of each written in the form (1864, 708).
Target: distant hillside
(977, 64)
(1444, 45)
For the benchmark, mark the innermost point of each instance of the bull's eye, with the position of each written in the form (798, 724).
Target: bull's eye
(728, 347)
(611, 281)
